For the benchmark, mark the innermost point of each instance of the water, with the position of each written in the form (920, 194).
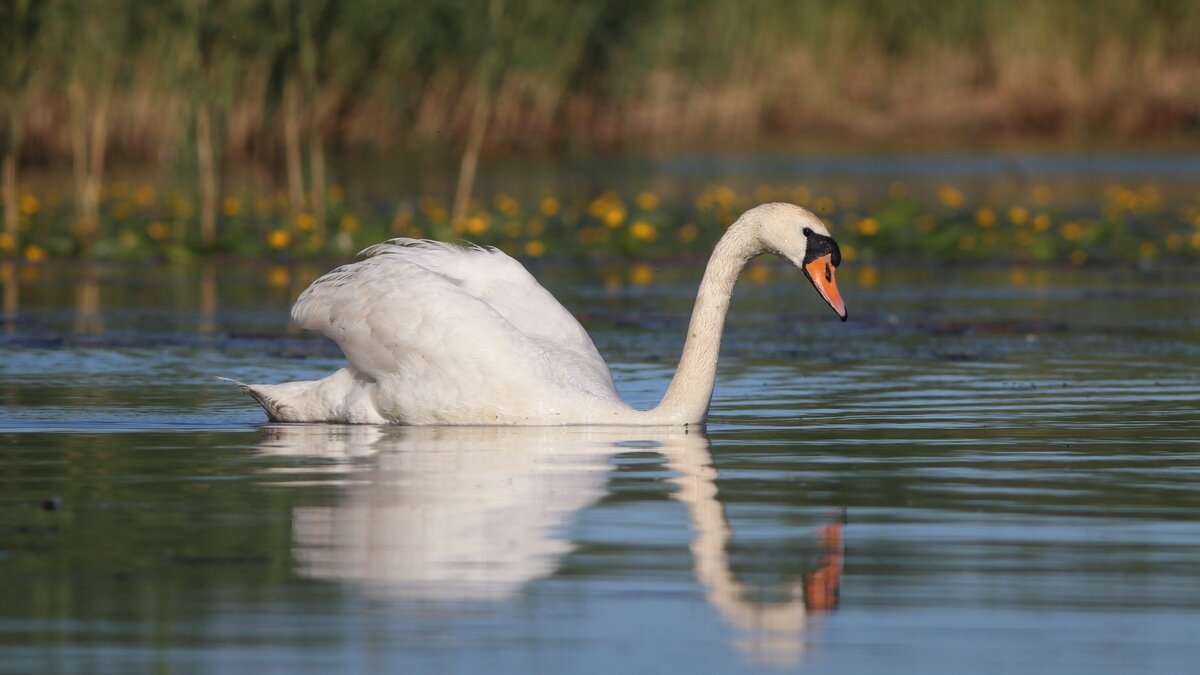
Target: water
(985, 470)
(1077, 178)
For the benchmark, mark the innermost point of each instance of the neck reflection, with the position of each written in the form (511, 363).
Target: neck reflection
(455, 514)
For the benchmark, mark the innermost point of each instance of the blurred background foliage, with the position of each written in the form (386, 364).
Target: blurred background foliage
(199, 88)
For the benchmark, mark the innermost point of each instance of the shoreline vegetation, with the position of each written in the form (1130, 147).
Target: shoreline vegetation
(197, 90)
(1132, 224)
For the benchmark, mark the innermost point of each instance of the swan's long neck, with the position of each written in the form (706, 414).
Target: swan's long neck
(688, 396)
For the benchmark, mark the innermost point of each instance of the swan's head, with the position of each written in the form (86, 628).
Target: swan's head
(799, 237)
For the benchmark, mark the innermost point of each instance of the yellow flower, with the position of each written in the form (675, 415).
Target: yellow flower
(689, 232)
(1041, 222)
(849, 253)
(1071, 231)
(158, 231)
(512, 228)
(1017, 215)
(506, 205)
(966, 243)
(279, 238)
(925, 223)
(348, 224)
(144, 196)
(643, 231)
(1126, 199)
(1077, 257)
(641, 274)
(758, 273)
(1147, 250)
(34, 253)
(28, 204)
(279, 276)
(599, 205)
(868, 276)
(121, 210)
(612, 281)
(535, 248)
(550, 206)
(985, 217)
(478, 224)
(231, 206)
(535, 228)
(724, 196)
(647, 201)
(7, 242)
(614, 216)
(801, 195)
(824, 205)
(868, 227)
(950, 196)
(1195, 240)
(1174, 241)
(337, 194)
(764, 193)
(305, 221)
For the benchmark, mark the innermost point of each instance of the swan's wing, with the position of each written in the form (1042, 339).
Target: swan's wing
(432, 298)
(503, 283)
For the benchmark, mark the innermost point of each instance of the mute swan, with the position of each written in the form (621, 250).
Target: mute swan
(441, 334)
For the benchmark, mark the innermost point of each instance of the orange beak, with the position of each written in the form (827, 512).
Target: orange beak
(820, 273)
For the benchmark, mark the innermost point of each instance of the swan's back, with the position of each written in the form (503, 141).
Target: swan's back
(451, 328)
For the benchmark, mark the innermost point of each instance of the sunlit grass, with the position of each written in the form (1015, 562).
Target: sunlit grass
(1128, 223)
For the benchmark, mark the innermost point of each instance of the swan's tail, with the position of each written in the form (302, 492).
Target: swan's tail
(341, 398)
(277, 410)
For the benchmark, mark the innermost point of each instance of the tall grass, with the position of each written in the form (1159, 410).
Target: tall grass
(605, 74)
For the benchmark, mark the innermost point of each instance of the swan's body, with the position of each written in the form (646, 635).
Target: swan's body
(442, 334)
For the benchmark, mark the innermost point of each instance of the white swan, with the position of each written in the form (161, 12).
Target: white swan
(441, 334)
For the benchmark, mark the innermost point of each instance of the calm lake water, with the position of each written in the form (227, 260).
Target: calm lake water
(985, 470)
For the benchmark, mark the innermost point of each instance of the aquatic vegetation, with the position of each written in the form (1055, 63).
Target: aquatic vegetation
(1130, 223)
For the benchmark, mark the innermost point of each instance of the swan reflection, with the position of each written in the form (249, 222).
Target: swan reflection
(475, 513)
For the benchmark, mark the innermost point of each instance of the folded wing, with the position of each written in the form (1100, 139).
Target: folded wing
(410, 299)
